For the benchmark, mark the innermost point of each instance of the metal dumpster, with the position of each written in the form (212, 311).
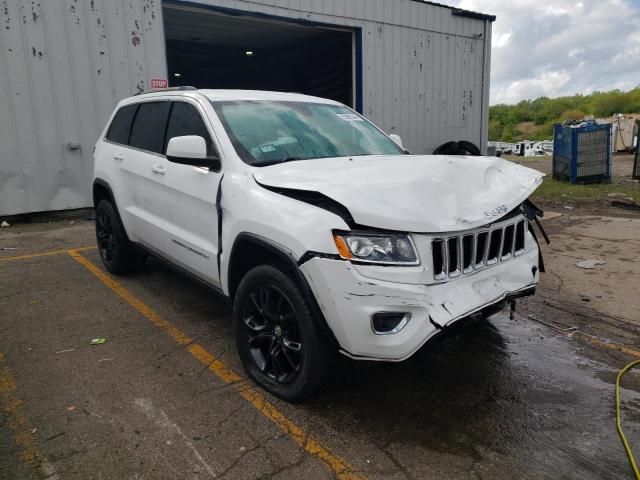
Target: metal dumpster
(582, 153)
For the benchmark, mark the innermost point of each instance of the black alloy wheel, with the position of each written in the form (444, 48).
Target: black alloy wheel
(118, 254)
(278, 339)
(106, 236)
(273, 337)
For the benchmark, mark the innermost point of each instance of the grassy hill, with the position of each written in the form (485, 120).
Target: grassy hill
(534, 119)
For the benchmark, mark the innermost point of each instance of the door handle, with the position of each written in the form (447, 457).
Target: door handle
(119, 157)
(158, 169)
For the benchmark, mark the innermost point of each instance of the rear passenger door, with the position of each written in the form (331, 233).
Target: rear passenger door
(145, 150)
(115, 150)
(182, 199)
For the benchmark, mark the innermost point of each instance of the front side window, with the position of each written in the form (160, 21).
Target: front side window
(185, 120)
(121, 125)
(268, 132)
(148, 129)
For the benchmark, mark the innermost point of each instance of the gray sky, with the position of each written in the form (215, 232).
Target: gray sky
(561, 47)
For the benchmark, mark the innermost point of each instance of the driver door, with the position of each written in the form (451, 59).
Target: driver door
(184, 200)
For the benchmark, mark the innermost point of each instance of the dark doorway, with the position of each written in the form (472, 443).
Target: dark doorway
(211, 49)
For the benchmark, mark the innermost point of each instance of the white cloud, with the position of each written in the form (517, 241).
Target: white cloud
(555, 10)
(553, 48)
(500, 40)
(544, 85)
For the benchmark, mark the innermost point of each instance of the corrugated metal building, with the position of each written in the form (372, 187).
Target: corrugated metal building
(418, 69)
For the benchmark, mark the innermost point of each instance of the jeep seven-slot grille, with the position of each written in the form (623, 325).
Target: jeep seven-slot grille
(468, 252)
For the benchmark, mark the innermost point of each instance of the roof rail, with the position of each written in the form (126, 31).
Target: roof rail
(169, 89)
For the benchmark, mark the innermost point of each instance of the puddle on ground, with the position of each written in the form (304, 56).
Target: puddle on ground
(500, 393)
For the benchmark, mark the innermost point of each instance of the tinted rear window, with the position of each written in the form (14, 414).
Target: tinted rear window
(149, 125)
(121, 124)
(185, 120)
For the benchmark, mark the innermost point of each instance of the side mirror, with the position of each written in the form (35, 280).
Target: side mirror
(396, 139)
(191, 150)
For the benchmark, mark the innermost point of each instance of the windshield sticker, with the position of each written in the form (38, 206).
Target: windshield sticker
(350, 117)
(267, 148)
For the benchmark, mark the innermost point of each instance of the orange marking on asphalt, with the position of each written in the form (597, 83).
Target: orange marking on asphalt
(342, 470)
(24, 434)
(213, 364)
(50, 253)
(128, 297)
(610, 345)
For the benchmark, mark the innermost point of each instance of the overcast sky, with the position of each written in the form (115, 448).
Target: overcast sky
(561, 47)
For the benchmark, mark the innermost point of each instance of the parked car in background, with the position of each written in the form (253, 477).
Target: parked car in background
(535, 150)
(323, 231)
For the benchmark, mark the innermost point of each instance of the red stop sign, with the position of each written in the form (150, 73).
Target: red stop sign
(159, 83)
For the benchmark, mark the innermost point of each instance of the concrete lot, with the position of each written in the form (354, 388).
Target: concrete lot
(165, 396)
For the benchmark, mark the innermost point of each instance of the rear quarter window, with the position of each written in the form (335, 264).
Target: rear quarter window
(149, 125)
(121, 125)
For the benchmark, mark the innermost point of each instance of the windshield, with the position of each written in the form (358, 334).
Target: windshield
(267, 132)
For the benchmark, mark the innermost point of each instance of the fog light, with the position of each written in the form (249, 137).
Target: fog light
(388, 323)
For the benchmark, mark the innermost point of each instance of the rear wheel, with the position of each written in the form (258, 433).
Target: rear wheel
(278, 343)
(118, 254)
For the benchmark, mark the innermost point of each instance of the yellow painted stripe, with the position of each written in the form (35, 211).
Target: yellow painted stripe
(50, 253)
(342, 470)
(24, 435)
(213, 364)
(610, 345)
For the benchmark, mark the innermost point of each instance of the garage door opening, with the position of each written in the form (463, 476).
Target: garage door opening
(212, 49)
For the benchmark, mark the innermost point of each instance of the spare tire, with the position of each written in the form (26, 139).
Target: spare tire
(469, 147)
(449, 148)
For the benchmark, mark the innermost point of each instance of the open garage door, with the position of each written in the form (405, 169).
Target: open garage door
(207, 48)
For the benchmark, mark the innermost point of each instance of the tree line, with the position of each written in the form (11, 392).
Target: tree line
(534, 119)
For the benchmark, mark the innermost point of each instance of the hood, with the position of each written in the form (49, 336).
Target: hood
(412, 193)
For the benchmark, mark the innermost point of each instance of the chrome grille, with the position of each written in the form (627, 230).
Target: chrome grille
(467, 252)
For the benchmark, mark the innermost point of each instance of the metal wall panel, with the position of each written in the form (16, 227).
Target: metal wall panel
(64, 64)
(425, 72)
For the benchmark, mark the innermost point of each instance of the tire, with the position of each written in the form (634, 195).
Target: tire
(277, 341)
(471, 148)
(449, 148)
(118, 254)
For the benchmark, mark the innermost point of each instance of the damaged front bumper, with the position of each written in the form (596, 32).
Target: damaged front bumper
(350, 296)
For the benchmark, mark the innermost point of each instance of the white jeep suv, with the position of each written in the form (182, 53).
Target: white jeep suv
(322, 230)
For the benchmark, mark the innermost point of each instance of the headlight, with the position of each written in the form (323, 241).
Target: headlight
(384, 249)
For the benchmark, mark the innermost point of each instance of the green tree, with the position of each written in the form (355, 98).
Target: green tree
(572, 115)
(606, 104)
(495, 129)
(544, 112)
(508, 133)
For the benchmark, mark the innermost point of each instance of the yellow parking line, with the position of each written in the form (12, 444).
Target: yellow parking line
(24, 434)
(342, 470)
(50, 253)
(610, 345)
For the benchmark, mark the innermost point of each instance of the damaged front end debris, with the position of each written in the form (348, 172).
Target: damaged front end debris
(534, 214)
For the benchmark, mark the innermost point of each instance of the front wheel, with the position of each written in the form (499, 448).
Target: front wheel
(277, 341)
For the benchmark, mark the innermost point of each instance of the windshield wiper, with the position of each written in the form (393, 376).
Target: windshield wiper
(276, 162)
